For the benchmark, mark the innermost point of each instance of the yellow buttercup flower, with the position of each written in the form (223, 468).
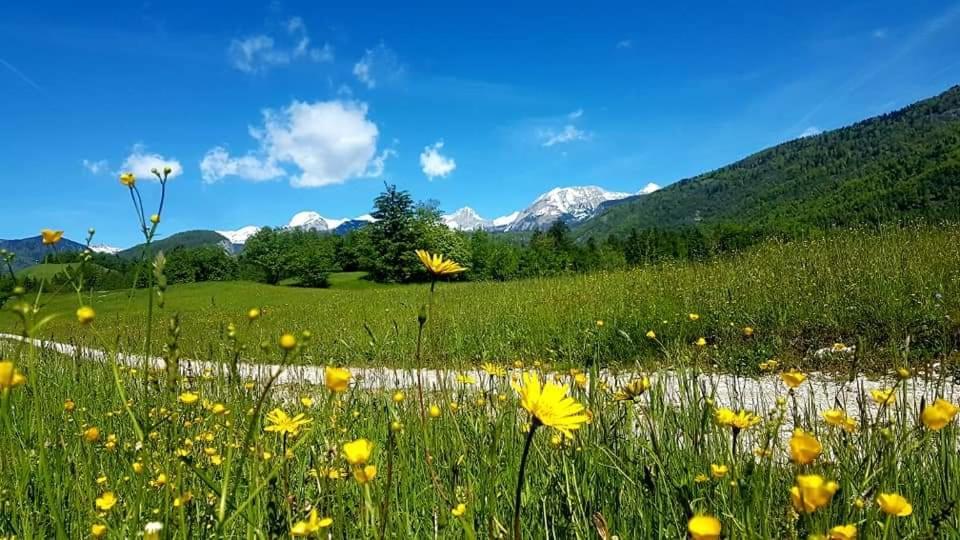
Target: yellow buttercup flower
(747, 331)
(493, 370)
(737, 420)
(364, 474)
(434, 411)
(844, 532)
(894, 504)
(718, 471)
(50, 237)
(704, 527)
(358, 452)
(633, 389)
(693, 316)
(804, 447)
(98, 530)
(700, 342)
(651, 334)
(91, 434)
(128, 179)
(939, 414)
(188, 398)
(812, 492)
(883, 396)
(86, 314)
(550, 405)
(312, 525)
(793, 378)
(9, 376)
(253, 314)
(106, 501)
(459, 510)
(288, 342)
(436, 265)
(283, 424)
(336, 379)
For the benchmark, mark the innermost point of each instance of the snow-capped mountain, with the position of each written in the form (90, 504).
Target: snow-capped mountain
(241, 235)
(103, 248)
(570, 204)
(312, 221)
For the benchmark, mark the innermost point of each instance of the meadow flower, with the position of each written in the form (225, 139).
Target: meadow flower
(398, 397)
(737, 420)
(106, 501)
(883, 396)
(703, 527)
(633, 389)
(894, 504)
(358, 452)
(651, 334)
(464, 378)
(939, 414)
(98, 530)
(336, 379)
(152, 530)
(580, 379)
(69, 405)
(436, 265)
(155, 218)
(288, 342)
(91, 434)
(812, 492)
(693, 316)
(85, 315)
(312, 525)
(844, 532)
(128, 179)
(188, 398)
(700, 342)
(253, 314)
(903, 373)
(804, 447)
(793, 378)
(718, 471)
(459, 510)
(50, 237)
(283, 424)
(550, 405)
(493, 370)
(364, 474)
(747, 331)
(701, 478)
(9, 376)
(434, 411)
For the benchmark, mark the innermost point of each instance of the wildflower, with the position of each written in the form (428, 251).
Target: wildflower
(155, 219)
(306, 401)
(704, 527)
(903, 373)
(937, 415)
(736, 420)
(436, 265)
(69, 406)
(493, 370)
(700, 342)
(182, 499)
(811, 492)
(218, 409)
(464, 378)
(152, 530)
(459, 510)
(894, 504)
(85, 315)
(550, 405)
(283, 424)
(883, 396)
(718, 471)
(835, 417)
(434, 411)
(701, 478)
(358, 452)
(633, 389)
(137, 467)
(288, 342)
(98, 530)
(91, 434)
(599, 323)
(253, 314)
(693, 316)
(747, 331)
(312, 525)
(188, 398)
(336, 379)
(364, 474)
(398, 397)
(396, 426)
(9, 376)
(769, 365)
(651, 334)
(804, 447)
(160, 481)
(106, 501)
(50, 237)
(128, 179)
(580, 379)
(793, 378)
(844, 532)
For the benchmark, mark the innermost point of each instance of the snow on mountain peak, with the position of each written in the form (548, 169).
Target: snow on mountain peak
(503, 221)
(465, 219)
(103, 248)
(241, 235)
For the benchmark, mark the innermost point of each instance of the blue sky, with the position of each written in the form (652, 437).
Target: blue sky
(273, 108)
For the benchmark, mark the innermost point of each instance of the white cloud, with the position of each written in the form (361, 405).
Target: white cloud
(649, 188)
(811, 131)
(575, 114)
(569, 133)
(625, 44)
(95, 167)
(328, 142)
(141, 163)
(258, 53)
(377, 65)
(434, 164)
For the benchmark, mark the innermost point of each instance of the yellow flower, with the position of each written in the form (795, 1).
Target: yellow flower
(85, 315)
(835, 417)
(883, 396)
(718, 471)
(464, 378)
(693, 316)
(128, 179)
(703, 527)
(69, 405)
(106, 501)
(812, 492)
(580, 379)
(700, 342)
(160, 481)
(9, 376)
(651, 334)
(188, 398)
(155, 219)
(437, 266)
(894, 504)
(364, 474)
(493, 370)
(253, 314)
(793, 378)
(312, 525)
(306, 401)
(550, 405)
(459, 510)
(91, 434)
(218, 409)
(939, 414)
(98, 530)
(288, 342)
(398, 397)
(137, 467)
(633, 389)
(903, 373)
(336, 379)
(747, 331)
(599, 323)
(434, 411)
(283, 424)
(844, 532)
(804, 447)
(701, 478)
(51, 237)
(736, 420)
(358, 452)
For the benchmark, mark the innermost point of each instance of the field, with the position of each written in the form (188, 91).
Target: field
(536, 442)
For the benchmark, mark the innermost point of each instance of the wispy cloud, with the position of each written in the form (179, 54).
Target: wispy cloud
(810, 132)
(377, 65)
(258, 53)
(569, 133)
(13, 69)
(95, 167)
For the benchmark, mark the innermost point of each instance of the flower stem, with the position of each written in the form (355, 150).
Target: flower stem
(523, 466)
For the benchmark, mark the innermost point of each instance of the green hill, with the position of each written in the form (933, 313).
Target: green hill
(30, 251)
(902, 165)
(187, 239)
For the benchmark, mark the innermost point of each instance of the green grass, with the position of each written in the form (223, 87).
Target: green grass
(45, 270)
(874, 290)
